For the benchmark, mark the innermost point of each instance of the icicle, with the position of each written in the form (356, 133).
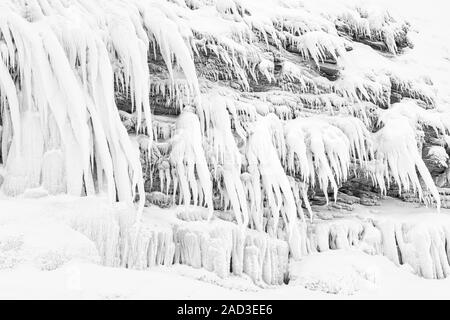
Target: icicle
(189, 159)
(396, 148)
(226, 155)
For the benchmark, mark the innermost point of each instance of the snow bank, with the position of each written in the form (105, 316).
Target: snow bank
(162, 239)
(416, 239)
(345, 276)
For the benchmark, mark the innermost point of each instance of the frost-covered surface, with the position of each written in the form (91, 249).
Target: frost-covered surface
(57, 261)
(263, 127)
(84, 54)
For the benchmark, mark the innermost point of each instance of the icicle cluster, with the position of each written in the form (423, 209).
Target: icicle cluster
(291, 101)
(274, 99)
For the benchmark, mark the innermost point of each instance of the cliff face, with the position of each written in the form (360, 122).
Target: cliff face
(300, 103)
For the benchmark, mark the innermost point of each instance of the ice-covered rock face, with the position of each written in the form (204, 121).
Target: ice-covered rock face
(274, 99)
(411, 238)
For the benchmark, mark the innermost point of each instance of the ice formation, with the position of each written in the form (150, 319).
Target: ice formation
(241, 106)
(220, 247)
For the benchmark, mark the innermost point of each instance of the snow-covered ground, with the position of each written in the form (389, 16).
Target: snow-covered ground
(56, 262)
(357, 275)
